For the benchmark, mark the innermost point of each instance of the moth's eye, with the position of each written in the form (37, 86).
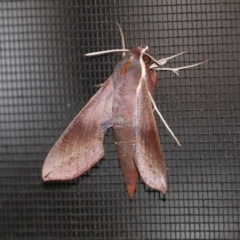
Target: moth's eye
(146, 59)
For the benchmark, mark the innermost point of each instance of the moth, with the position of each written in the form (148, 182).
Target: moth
(123, 102)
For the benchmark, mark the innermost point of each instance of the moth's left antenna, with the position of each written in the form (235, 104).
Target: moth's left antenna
(122, 38)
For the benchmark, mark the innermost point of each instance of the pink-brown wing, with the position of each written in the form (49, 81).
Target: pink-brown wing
(148, 157)
(81, 144)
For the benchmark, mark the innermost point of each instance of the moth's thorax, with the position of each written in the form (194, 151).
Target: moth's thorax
(133, 67)
(131, 72)
(133, 64)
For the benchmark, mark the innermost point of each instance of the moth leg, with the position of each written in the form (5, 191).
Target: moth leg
(163, 61)
(163, 120)
(176, 70)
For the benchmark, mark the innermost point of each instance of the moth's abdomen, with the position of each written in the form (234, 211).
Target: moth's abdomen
(126, 145)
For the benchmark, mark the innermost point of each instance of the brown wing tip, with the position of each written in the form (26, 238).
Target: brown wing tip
(163, 188)
(131, 190)
(45, 177)
(160, 188)
(51, 176)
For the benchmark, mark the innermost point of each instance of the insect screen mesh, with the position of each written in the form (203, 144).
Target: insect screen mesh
(44, 82)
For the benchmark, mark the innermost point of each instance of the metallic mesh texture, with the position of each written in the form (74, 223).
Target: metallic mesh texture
(44, 82)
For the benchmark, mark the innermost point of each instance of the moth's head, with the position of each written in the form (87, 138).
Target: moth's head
(136, 53)
(137, 60)
(140, 52)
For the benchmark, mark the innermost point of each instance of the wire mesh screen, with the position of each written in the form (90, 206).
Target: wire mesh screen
(45, 80)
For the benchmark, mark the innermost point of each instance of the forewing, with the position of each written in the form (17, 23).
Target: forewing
(148, 157)
(81, 144)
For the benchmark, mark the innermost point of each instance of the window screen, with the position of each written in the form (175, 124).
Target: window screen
(45, 80)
